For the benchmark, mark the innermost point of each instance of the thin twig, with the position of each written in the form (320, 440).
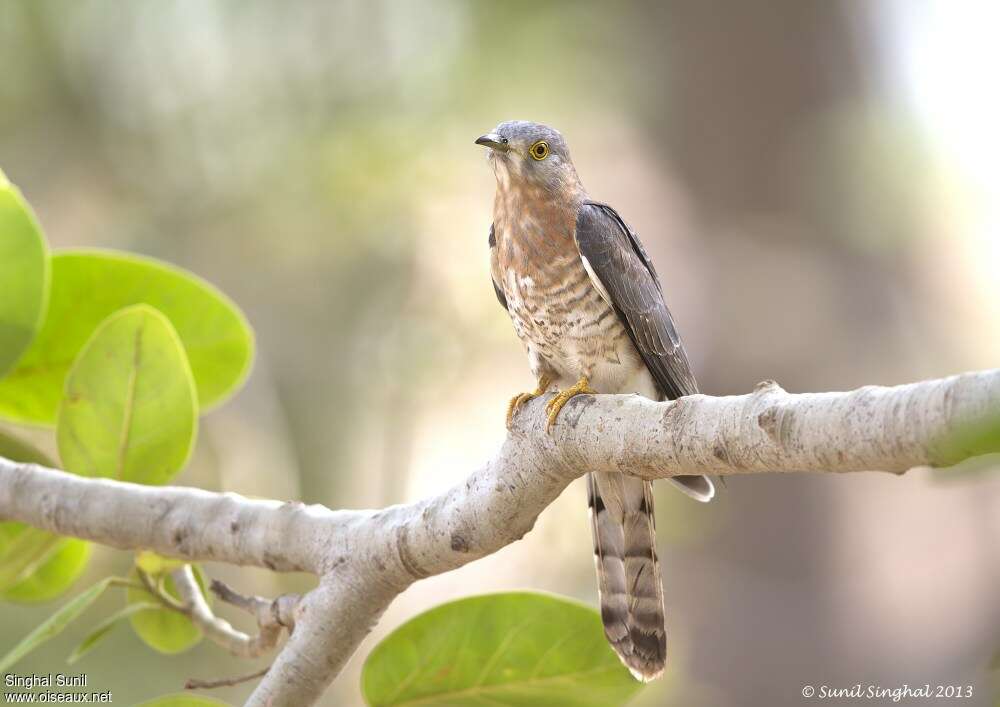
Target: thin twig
(280, 611)
(196, 684)
(250, 604)
(158, 590)
(219, 630)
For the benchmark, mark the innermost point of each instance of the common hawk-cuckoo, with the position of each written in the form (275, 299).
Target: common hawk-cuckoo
(586, 302)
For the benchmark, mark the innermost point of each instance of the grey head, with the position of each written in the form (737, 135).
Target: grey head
(523, 153)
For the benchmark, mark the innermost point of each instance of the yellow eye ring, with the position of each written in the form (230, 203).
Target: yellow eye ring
(539, 151)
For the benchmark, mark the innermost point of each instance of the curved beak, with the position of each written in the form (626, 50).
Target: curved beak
(494, 142)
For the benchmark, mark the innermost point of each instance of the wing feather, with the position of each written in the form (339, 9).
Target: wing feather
(622, 271)
(495, 269)
(620, 267)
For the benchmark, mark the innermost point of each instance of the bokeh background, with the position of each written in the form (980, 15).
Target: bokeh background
(818, 182)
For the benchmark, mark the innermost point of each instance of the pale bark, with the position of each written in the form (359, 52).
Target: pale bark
(366, 558)
(272, 616)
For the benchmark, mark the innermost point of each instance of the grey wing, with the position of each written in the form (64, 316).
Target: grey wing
(495, 269)
(615, 258)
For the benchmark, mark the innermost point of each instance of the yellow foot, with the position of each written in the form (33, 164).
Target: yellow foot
(518, 400)
(554, 406)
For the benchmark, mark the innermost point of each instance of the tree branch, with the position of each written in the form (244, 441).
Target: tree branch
(176, 521)
(366, 558)
(268, 615)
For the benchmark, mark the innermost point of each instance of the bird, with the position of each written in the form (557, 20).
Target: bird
(587, 304)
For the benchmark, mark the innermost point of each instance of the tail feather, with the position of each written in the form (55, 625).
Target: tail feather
(628, 572)
(700, 488)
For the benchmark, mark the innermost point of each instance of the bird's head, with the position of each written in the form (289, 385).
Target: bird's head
(525, 154)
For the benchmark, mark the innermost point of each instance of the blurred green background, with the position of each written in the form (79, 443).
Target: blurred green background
(818, 182)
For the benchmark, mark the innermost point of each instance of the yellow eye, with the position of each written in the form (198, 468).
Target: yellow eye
(539, 151)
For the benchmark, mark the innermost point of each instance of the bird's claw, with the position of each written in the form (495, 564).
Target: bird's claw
(555, 406)
(514, 405)
(518, 400)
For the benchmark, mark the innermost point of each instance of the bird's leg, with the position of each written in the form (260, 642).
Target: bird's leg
(518, 400)
(554, 406)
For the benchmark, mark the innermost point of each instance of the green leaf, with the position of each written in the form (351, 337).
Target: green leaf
(154, 564)
(183, 699)
(55, 624)
(23, 550)
(90, 285)
(24, 275)
(516, 648)
(20, 451)
(971, 448)
(103, 630)
(53, 572)
(163, 629)
(57, 573)
(130, 411)
(35, 565)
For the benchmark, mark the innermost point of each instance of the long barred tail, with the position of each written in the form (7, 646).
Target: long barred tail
(628, 573)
